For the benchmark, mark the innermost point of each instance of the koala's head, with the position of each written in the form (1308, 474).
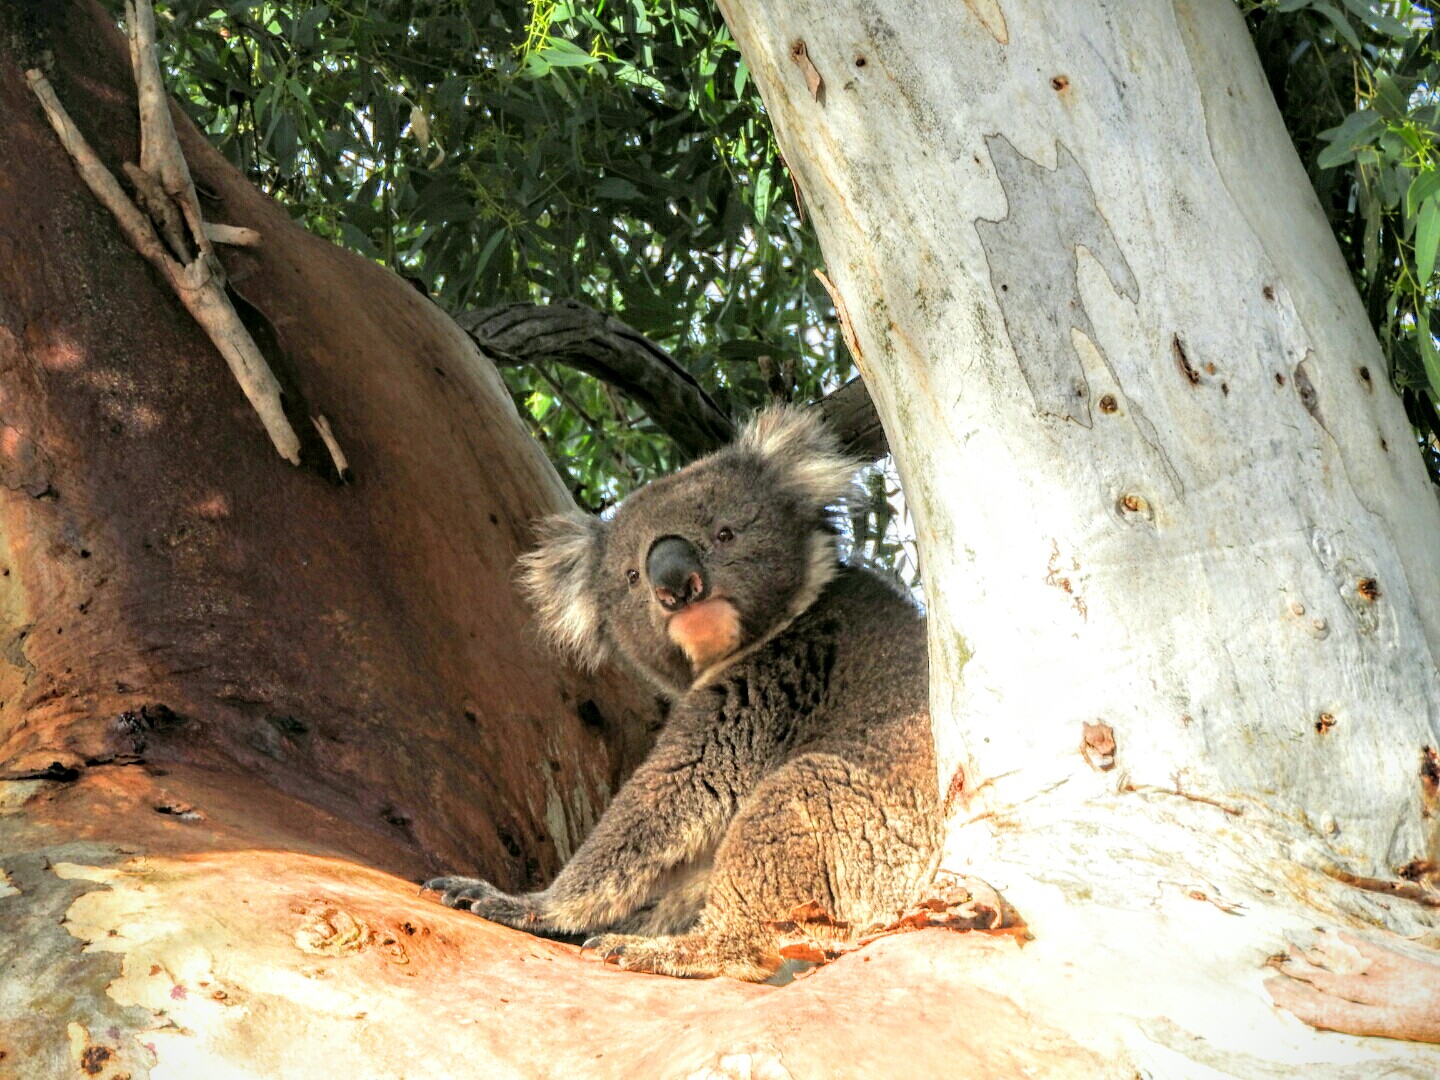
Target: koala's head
(700, 564)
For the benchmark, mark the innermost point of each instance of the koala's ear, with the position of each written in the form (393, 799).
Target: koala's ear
(802, 454)
(559, 576)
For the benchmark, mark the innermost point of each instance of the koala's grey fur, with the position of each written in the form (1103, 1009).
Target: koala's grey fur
(796, 767)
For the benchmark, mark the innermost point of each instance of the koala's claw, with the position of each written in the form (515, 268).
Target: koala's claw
(453, 889)
(461, 892)
(609, 947)
(485, 900)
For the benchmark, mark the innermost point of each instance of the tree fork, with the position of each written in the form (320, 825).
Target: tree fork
(242, 705)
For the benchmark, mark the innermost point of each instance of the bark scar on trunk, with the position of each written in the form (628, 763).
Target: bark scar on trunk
(1305, 387)
(1033, 255)
(991, 17)
(24, 465)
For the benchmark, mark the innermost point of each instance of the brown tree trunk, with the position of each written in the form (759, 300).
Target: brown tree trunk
(243, 706)
(174, 592)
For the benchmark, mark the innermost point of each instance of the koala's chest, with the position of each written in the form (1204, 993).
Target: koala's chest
(767, 715)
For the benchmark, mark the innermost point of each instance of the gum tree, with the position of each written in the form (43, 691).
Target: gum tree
(1179, 556)
(1177, 560)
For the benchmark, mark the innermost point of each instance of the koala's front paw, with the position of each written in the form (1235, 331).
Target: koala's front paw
(459, 892)
(609, 948)
(472, 894)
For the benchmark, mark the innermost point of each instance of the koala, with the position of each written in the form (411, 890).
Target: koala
(796, 767)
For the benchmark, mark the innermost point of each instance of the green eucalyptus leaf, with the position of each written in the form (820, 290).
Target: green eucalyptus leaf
(1425, 184)
(617, 188)
(1390, 101)
(1429, 356)
(1339, 21)
(1372, 15)
(560, 53)
(1348, 137)
(302, 31)
(1427, 236)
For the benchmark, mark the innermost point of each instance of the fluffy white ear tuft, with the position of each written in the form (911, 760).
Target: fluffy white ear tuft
(803, 453)
(559, 578)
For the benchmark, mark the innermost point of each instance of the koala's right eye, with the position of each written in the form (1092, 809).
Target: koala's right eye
(632, 576)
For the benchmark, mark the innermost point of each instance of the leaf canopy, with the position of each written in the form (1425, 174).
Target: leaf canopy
(616, 152)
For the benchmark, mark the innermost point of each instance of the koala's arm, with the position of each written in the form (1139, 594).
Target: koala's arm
(674, 808)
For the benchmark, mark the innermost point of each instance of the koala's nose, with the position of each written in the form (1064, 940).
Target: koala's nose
(675, 573)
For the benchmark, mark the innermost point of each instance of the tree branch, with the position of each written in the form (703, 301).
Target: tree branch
(199, 284)
(615, 353)
(603, 346)
(852, 416)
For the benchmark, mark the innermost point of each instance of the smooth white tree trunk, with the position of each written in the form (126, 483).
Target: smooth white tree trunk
(1161, 483)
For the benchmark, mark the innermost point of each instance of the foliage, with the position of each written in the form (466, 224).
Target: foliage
(615, 151)
(1355, 81)
(493, 151)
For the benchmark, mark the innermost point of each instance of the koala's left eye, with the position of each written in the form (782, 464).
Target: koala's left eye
(725, 535)
(632, 576)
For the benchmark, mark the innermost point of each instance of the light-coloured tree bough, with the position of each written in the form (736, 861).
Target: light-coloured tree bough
(1166, 499)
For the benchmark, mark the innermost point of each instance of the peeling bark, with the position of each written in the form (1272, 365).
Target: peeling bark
(1117, 353)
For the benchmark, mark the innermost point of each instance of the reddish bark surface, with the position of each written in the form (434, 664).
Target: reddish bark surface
(244, 707)
(229, 938)
(171, 590)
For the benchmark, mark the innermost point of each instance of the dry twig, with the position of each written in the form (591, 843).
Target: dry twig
(163, 183)
(322, 425)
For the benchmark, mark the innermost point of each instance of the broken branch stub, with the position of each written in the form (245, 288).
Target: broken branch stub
(160, 154)
(232, 235)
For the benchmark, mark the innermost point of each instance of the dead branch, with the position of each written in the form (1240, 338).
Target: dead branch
(164, 186)
(613, 352)
(160, 153)
(195, 284)
(163, 213)
(327, 436)
(232, 235)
